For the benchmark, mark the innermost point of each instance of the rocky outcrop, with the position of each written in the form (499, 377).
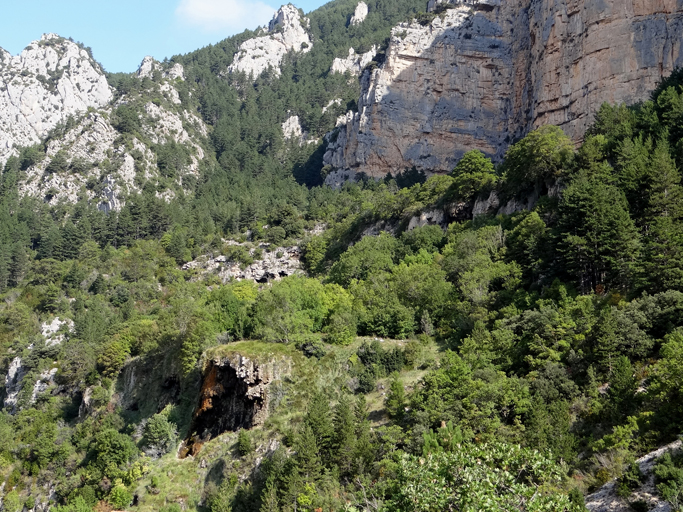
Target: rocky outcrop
(149, 66)
(52, 79)
(291, 129)
(273, 265)
(287, 32)
(55, 88)
(235, 394)
(483, 73)
(355, 63)
(361, 13)
(46, 379)
(101, 167)
(13, 382)
(54, 333)
(607, 500)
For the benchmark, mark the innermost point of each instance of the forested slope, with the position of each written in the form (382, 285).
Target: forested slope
(493, 358)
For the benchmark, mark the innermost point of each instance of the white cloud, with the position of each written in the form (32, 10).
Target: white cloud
(224, 15)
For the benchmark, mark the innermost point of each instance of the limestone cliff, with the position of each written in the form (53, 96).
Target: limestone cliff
(52, 79)
(361, 13)
(354, 63)
(485, 72)
(287, 32)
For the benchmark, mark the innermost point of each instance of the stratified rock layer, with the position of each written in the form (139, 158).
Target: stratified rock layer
(486, 72)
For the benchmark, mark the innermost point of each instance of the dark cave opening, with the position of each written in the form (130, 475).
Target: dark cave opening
(225, 405)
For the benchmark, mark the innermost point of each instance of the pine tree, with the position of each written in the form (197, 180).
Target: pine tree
(125, 230)
(344, 436)
(632, 164)
(663, 251)
(51, 299)
(308, 462)
(5, 260)
(99, 285)
(18, 264)
(319, 419)
(72, 239)
(598, 240)
(364, 455)
(50, 243)
(269, 501)
(623, 385)
(396, 398)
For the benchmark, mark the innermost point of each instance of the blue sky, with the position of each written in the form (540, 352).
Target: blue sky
(122, 32)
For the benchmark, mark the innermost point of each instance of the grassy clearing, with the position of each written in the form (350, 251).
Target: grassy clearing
(255, 349)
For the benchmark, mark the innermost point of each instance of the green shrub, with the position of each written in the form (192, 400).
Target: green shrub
(275, 235)
(171, 507)
(58, 164)
(126, 119)
(630, 480)
(473, 175)
(113, 358)
(669, 478)
(160, 433)
(12, 502)
(119, 497)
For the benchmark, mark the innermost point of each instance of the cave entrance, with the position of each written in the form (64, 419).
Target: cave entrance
(225, 405)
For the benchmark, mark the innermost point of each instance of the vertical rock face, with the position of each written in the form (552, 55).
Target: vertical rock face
(50, 80)
(285, 33)
(484, 72)
(234, 395)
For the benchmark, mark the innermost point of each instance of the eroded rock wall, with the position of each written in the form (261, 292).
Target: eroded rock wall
(485, 73)
(235, 394)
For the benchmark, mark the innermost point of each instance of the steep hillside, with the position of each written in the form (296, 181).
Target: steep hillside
(191, 321)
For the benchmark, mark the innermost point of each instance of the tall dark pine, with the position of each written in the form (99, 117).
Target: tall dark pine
(598, 239)
(344, 436)
(5, 259)
(308, 462)
(663, 250)
(319, 419)
(125, 232)
(18, 264)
